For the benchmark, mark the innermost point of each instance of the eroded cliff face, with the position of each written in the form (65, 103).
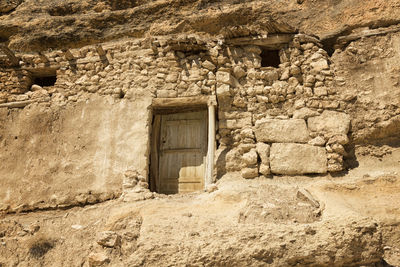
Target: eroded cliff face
(36, 25)
(67, 147)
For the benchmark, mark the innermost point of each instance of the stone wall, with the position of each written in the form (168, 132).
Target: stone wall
(13, 84)
(270, 105)
(286, 119)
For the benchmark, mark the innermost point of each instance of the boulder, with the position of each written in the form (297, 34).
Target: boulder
(297, 159)
(234, 160)
(320, 91)
(339, 139)
(281, 131)
(331, 122)
(172, 77)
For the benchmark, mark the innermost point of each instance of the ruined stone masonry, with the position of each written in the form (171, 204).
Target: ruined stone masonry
(278, 110)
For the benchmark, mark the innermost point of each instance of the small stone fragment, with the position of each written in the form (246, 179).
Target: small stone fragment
(265, 169)
(98, 259)
(208, 65)
(305, 195)
(211, 188)
(108, 239)
(339, 139)
(250, 158)
(239, 72)
(76, 226)
(249, 173)
(317, 141)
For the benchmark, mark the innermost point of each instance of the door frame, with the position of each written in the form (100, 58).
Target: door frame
(162, 106)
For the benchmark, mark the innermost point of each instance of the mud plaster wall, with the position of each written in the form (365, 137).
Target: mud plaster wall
(78, 137)
(60, 156)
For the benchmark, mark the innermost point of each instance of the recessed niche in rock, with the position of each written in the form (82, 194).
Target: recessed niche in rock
(270, 58)
(45, 81)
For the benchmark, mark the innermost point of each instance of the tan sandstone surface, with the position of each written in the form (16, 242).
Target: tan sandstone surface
(287, 221)
(74, 156)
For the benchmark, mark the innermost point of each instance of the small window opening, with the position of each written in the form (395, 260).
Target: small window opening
(270, 58)
(45, 81)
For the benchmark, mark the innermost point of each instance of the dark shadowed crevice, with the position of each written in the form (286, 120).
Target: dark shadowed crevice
(270, 58)
(45, 81)
(62, 10)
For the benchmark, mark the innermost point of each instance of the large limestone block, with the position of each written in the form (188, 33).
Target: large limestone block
(297, 159)
(281, 131)
(330, 121)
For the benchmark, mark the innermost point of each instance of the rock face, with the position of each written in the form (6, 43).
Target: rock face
(281, 131)
(8, 5)
(244, 223)
(297, 158)
(138, 18)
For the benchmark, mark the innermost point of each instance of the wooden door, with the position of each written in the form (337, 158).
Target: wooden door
(182, 152)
